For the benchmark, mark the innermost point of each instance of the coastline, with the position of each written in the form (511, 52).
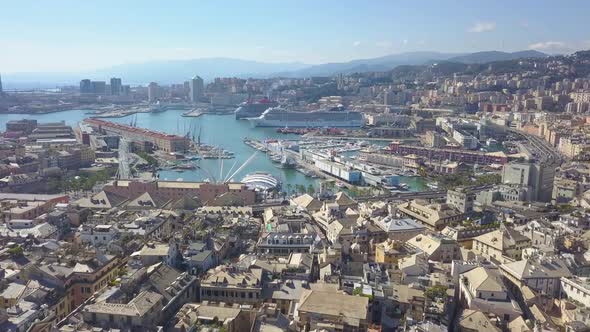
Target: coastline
(47, 112)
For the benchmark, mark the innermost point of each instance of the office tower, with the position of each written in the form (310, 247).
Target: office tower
(99, 87)
(153, 92)
(537, 177)
(340, 82)
(85, 86)
(115, 86)
(1, 91)
(196, 89)
(388, 97)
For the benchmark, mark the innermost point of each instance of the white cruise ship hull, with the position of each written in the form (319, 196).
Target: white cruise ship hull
(257, 122)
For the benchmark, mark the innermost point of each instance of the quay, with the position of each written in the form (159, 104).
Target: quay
(193, 113)
(255, 144)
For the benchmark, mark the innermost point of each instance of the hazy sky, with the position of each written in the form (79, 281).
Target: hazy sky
(83, 35)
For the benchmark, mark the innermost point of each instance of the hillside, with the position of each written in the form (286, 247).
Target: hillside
(492, 56)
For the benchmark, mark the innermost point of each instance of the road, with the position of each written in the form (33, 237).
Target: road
(546, 153)
(124, 171)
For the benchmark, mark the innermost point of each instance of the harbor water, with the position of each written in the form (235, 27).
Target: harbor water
(220, 130)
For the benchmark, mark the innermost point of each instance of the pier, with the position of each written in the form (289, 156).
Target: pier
(193, 113)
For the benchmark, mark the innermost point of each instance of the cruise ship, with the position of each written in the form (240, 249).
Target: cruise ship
(251, 109)
(337, 117)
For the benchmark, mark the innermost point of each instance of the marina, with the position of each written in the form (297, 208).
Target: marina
(218, 130)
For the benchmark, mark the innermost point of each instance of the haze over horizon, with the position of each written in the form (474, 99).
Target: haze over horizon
(73, 36)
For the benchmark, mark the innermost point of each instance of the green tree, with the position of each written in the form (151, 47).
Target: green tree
(359, 292)
(310, 189)
(434, 292)
(54, 185)
(330, 185)
(422, 172)
(16, 251)
(565, 208)
(148, 158)
(300, 189)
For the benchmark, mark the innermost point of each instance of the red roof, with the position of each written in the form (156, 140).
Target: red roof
(127, 128)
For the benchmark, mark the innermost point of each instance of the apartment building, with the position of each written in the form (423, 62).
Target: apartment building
(230, 285)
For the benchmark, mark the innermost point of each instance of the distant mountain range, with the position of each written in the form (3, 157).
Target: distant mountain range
(383, 63)
(176, 71)
(492, 56)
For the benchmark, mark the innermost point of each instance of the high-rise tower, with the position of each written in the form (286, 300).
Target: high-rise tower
(153, 92)
(197, 88)
(115, 86)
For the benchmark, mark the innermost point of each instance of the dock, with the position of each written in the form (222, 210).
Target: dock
(255, 144)
(312, 168)
(193, 113)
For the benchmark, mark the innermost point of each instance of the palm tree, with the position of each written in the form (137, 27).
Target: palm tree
(301, 189)
(330, 185)
(310, 189)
